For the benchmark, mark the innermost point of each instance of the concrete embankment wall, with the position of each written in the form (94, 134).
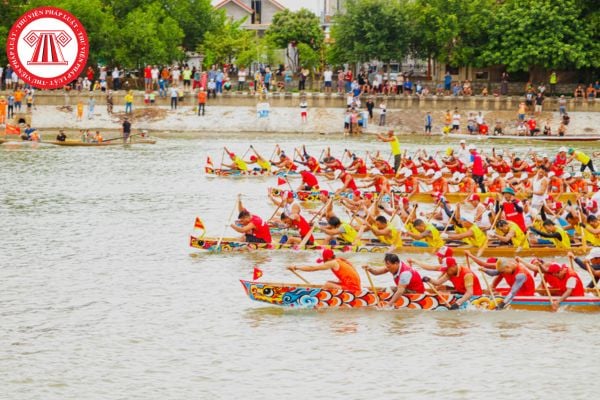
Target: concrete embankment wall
(321, 100)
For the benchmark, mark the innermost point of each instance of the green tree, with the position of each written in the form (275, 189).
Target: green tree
(530, 35)
(98, 21)
(451, 31)
(225, 44)
(261, 50)
(371, 30)
(195, 17)
(300, 26)
(148, 35)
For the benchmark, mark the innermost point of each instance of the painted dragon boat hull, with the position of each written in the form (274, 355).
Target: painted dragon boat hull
(574, 138)
(423, 197)
(315, 297)
(231, 244)
(232, 173)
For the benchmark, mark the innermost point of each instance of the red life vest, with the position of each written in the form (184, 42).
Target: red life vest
(459, 281)
(411, 165)
(336, 164)
(361, 166)
(415, 284)
(477, 165)
(528, 287)
(386, 168)
(380, 182)
(309, 179)
(511, 214)
(561, 284)
(261, 230)
(351, 184)
(313, 164)
(410, 184)
(303, 227)
(439, 185)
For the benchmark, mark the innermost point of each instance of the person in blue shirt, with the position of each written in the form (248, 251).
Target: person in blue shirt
(447, 81)
(408, 86)
(162, 87)
(219, 81)
(267, 79)
(428, 122)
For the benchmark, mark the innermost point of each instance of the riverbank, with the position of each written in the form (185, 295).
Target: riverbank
(161, 121)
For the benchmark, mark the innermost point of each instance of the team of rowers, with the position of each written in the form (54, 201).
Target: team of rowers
(559, 280)
(501, 220)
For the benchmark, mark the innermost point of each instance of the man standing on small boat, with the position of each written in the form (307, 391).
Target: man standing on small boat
(348, 278)
(464, 280)
(406, 278)
(395, 147)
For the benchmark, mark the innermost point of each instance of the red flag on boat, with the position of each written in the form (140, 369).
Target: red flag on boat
(12, 130)
(257, 273)
(208, 161)
(198, 224)
(281, 181)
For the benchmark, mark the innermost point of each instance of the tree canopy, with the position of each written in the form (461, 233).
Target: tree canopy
(370, 30)
(539, 33)
(301, 26)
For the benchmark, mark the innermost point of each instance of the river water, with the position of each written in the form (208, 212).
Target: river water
(101, 297)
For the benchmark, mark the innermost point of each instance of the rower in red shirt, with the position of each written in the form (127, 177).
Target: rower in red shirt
(560, 162)
(309, 181)
(406, 278)
(347, 180)
(557, 276)
(285, 163)
(358, 166)
(464, 280)
(518, 278)
(430, 163)
(297, 221)
(513, 208)
(310, 162)
(252, 226)
(334, 164)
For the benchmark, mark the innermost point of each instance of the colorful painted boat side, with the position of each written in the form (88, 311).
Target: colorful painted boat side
(424, 197)
(232, 244)
(315, 297)
(232, 173)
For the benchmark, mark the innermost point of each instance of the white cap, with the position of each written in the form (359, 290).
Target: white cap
(403, 170)
(462, 142)
(544, 155)
(561, 149)
(375, 171)
(500, 152)
(578, 175)
(337, 173)
(594, 253)
(566, 175)
(524, 176)
(509, 175)
(471, 147)
(456, 176)
(468, 217)
(445, 169)
(551, 174)
(408, 173)
(495, 176)
(437, 175)
(429, 172)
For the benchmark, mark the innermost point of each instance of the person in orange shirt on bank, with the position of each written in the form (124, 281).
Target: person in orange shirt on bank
(3, 104)
(18, 99)
(348, 278)
(201, 101)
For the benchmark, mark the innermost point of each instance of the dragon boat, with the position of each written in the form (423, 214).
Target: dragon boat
(372, 246)
(116, 142)
(303, 296)
(422, 197)
(235, 173)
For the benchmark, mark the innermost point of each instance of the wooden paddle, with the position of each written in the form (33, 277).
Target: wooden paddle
(299, 276)
(312, 228)
(594, 281)
(120, 137)
(485, 243)
(373, 288)
(218, 246)
(434, 210)
(487, 283)
(545, 286)
(438, 294)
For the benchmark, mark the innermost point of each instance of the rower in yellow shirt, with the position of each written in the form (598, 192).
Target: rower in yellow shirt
(510, 233)
(238, 163)
(424, 234)
(384, 232)
(554, 234)
(337, 229)
(467, 231)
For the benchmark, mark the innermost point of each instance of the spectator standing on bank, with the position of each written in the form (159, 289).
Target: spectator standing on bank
(201, 101)
(428, 122)
(504, 84)
(383, 111)
(241, 78)
(174, 95)
(447, 82)
(327, 79)
(116, 77)
(553, 81)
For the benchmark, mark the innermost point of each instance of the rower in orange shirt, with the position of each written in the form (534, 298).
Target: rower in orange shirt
(496, 183)
(438, 182)
(575, 183)
(556, 184)
(348, 278)
(411, 185)
(465, 183)
(378, 181)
